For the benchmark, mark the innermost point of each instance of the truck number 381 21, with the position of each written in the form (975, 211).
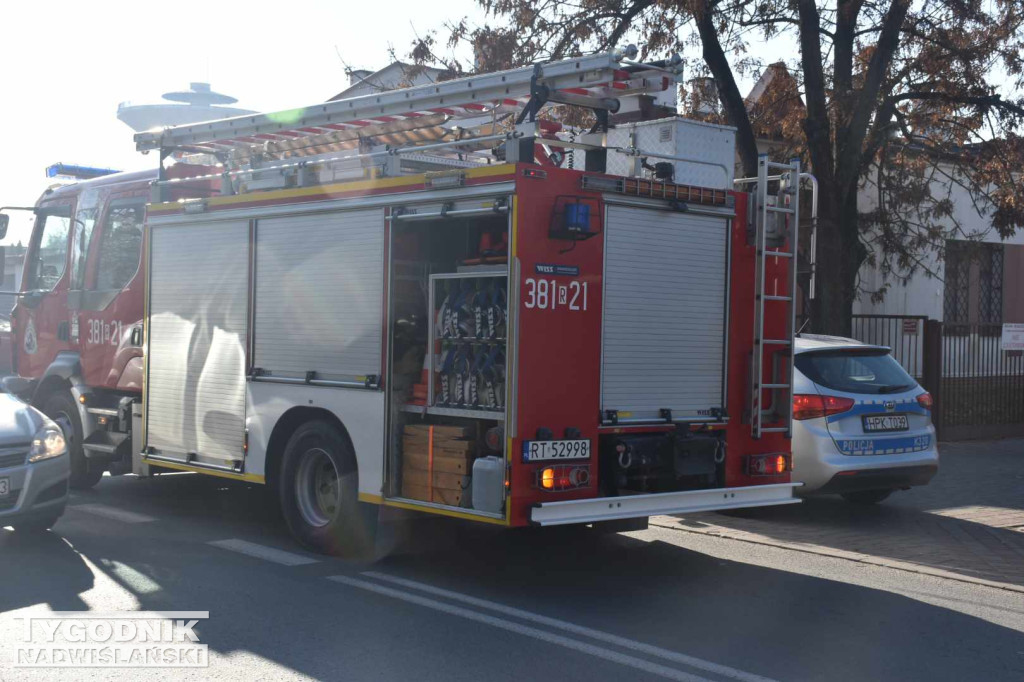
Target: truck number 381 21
(101, 332)
(548, 294)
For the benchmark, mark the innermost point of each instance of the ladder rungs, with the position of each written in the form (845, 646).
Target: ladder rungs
(776, 342)
(777, 298)
(774, 429)
(774, 385)
(779, 209)
(779, 254)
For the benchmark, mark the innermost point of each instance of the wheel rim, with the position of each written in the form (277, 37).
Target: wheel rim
(318, 488)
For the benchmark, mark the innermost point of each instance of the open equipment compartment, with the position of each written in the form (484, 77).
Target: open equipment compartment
(448, 322)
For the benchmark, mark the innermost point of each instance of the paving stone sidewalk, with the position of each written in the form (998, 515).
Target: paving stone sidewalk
(968, 523)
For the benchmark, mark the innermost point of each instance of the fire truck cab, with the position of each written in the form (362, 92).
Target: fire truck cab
(432, 299)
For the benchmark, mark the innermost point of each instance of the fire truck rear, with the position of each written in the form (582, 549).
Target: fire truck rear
(437, 299)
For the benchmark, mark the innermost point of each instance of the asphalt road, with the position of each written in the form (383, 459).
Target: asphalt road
(460, 602)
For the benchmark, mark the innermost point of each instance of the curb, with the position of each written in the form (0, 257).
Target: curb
(852, 556)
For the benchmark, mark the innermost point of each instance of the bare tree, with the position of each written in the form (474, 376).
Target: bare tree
(908, 98)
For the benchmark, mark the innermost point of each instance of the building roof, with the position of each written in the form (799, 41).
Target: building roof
(393, 76)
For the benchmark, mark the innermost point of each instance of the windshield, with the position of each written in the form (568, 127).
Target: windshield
(855, 371)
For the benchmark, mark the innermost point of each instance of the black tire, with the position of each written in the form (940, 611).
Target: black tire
(866, 496)
(37, 526)
(61, 408)
(319, 494)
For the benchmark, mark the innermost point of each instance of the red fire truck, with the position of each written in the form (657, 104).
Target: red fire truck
(433, 299)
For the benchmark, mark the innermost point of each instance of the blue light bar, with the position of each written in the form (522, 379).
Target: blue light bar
(65, 170)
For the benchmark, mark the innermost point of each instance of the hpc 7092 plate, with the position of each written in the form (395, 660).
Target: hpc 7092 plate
(546, 450)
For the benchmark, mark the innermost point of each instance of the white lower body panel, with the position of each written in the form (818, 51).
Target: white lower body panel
(637, 506)
(361, 411)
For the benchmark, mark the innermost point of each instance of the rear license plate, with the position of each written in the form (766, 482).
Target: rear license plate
(5, 487)
(874, 423)
(543, 450)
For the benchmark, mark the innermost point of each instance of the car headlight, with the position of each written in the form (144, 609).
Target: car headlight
(47, 443)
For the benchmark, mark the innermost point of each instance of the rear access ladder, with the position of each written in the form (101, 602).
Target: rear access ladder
(777, 220)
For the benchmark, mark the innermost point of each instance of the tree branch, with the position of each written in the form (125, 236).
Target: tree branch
(728, 91)
(626, 21)
(817, 126)
(851, 148)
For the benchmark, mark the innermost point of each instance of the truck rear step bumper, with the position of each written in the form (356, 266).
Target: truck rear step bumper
(634, 506)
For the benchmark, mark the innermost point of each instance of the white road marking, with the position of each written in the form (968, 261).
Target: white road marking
(113, 513)
(136, 582)
(277, 556)
(525, 630)
(640, 647)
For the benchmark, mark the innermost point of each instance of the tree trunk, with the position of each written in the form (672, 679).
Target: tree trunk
(839, 258)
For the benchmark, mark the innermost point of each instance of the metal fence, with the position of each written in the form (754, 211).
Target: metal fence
(978, 388)
(903, 334)
(982, 386)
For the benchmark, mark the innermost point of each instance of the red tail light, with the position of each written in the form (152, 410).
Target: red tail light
(563, 477)
(812, 405)
(925, 400)
(768, 465)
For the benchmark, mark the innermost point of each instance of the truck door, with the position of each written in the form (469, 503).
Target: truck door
(40, 318)
(109, 304)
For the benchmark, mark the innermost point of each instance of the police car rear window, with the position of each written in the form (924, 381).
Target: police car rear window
(855, 371)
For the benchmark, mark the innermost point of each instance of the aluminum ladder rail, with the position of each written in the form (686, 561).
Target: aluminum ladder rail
(475, 93)
(787, 210)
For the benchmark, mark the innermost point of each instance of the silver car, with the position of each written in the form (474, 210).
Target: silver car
(34, 467)
(862, 426)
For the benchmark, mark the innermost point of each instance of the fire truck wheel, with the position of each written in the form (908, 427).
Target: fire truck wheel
(61, 408)
(319, 491)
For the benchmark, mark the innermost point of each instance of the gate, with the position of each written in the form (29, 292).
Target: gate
(982, 387)
(904, 334)
(978, 388)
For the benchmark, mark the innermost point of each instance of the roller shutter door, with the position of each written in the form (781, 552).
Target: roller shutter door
(319, 295)
(198, 306)
(664, 313)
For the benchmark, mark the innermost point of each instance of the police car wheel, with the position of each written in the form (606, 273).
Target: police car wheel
(319, 493)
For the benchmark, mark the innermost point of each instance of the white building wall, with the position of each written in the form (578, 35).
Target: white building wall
(923, 293)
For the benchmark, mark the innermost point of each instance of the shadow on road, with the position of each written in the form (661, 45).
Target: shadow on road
(969, 520)
(776, 623)
(41, 569)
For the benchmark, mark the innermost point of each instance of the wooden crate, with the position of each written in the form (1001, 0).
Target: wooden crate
(442, 479)
(452, 498)
(443, 462)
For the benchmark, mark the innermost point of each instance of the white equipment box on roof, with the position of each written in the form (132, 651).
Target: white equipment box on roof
(703, 153)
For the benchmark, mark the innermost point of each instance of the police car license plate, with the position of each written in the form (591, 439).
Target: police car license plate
(885, 422)
(544, 450)
(5, 487)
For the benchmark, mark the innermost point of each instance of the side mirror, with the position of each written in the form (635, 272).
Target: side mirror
(4, 220)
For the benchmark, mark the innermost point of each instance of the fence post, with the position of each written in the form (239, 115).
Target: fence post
(931, 372)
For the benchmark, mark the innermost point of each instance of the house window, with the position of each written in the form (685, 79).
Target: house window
(958, 279)
(990, 285)
(973, 285)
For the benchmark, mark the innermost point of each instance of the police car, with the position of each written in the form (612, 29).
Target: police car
(862, 426)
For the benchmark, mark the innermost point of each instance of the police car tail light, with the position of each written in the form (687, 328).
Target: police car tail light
(925, 400)
(812, 405)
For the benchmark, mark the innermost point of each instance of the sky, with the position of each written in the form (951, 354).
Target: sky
(65, 66)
